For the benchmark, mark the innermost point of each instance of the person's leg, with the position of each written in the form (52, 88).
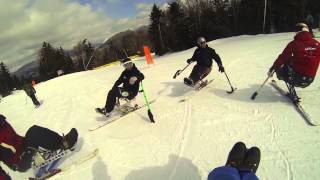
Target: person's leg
(196, 73)
(111, 99)
(38, 136)
(193, 76)
(252, 159)
(34, 100)
(283, 74)
(237, 155)
(301, 81)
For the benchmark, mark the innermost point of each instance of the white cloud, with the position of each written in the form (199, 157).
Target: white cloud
(25, 25)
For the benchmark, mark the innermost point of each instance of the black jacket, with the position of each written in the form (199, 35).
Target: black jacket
(125, 77)
(204, 56)
(28, 89)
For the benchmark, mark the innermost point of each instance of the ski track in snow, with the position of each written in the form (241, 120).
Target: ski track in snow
(288, 166)
(270, 121)
(184, 135)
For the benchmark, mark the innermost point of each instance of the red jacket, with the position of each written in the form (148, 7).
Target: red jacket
(302, 54)
(11, 144)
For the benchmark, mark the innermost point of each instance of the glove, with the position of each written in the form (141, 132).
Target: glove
(221, 69)
(189, 61)
(25, 160)
(133, 80)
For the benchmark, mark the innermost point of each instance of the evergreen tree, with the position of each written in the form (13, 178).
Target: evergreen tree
(52, 60)
(82, 53)
(47, 57)
(178, 36)
(155, 30)
(251, 16)
(16, 82)
(6, 85)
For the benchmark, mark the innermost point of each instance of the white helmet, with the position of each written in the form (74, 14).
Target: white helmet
(301, 27)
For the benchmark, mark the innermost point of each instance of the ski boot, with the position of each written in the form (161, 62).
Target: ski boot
(69, 140)
(252, 159)
(103, 111)
(294, 98)
(188, 82)
(236, 155)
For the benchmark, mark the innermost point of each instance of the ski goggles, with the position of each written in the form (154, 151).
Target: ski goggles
(202, 42)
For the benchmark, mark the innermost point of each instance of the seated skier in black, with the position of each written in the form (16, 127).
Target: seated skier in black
(203, 55)
(130, 79)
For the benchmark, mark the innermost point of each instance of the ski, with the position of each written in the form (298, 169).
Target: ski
(48, 157)
(48, 168)
(297, 105)
(56, 171)
(197, 90)
(204, 85)
(111, 118)
(47, 175)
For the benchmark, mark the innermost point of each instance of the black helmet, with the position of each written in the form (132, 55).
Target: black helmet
(201, 40)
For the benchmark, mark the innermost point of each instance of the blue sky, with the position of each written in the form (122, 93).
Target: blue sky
(26, 24)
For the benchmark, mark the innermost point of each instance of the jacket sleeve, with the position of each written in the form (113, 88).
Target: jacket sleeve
(119, 81)
(140, 76)
(4, 175)
(216, 57)
(6, 151)
(285, 56)
(195, 56)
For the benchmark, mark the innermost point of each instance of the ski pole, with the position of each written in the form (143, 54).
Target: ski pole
(180, 71)
(147, 102)
(253, 96)
(232, 88)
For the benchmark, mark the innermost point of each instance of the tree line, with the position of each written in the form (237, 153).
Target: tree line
(8, 82)
(171, 29)
(176, 27)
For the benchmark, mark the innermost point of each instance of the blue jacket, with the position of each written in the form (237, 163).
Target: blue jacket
(230, 173)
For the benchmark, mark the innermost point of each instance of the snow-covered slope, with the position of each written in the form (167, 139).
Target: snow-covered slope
(190, 137)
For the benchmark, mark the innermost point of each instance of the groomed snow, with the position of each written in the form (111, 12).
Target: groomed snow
(190, 137)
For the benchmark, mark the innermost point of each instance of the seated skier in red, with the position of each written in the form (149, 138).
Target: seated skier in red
(130, 80)
(297, 65)
(203, 55)
(17, 152)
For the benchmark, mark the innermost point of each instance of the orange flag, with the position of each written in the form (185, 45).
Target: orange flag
(148, 55)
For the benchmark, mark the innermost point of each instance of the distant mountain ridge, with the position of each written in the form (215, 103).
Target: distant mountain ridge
(139, 36)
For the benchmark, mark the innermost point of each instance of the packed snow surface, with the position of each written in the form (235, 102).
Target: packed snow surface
(194, 132)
